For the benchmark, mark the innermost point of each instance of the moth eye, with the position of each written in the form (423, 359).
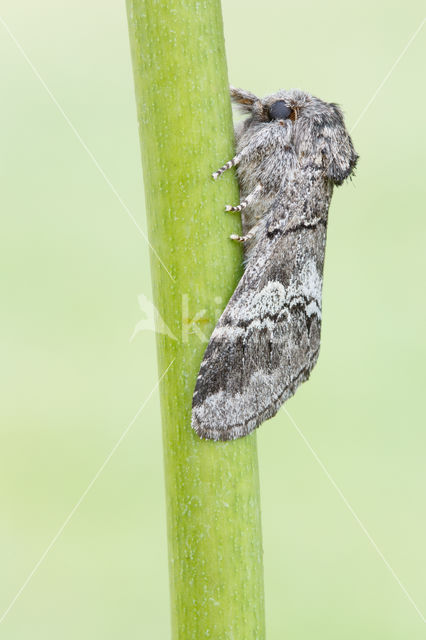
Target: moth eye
(279, 111)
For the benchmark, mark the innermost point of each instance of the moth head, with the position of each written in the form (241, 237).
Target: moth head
(320, 136)
(262, 110)
(318, 132)
(317, 128)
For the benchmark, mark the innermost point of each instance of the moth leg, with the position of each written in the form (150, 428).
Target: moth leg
(252, 196)
(237, 238)
(235, 160)
(250, 234)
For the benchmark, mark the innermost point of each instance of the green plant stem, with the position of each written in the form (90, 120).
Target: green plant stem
(212, 488)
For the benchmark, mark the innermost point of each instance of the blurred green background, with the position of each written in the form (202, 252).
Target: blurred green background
(73, 264)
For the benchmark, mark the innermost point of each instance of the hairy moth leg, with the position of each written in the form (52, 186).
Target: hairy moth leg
(250, 198)
(235, 160)
(248, 235)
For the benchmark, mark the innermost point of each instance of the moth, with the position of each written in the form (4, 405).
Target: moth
(290, 152)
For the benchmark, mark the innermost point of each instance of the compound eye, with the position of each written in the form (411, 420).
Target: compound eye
(279, 111)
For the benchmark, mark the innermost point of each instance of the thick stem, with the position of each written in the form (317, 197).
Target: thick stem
(212, 488)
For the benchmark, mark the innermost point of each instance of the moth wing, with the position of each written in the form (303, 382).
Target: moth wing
(267, 340)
